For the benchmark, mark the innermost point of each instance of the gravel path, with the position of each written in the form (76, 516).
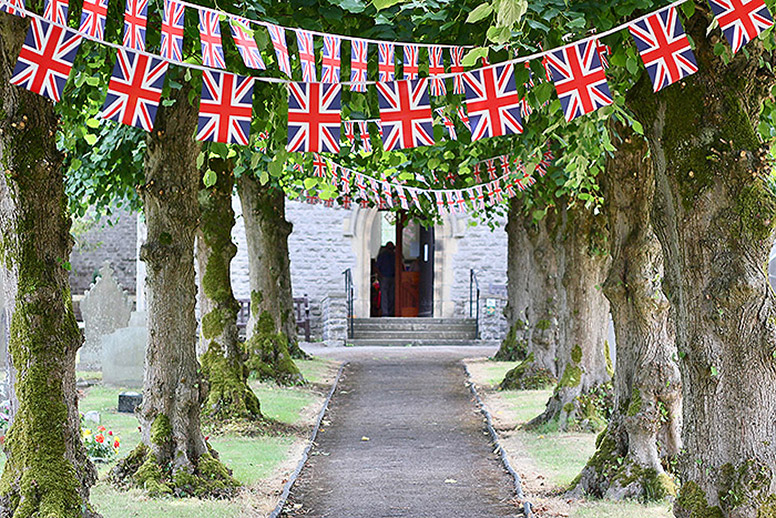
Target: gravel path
(402, 439)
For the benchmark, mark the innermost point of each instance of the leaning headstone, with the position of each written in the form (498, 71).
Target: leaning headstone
(92, 416)
(123, 353)
(105, 308)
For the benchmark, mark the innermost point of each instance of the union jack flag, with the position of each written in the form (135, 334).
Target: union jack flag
(319, 166)
(449, 124)
(387, 193)
(358, 64)
(492, 101)
(278, 36)
(402, 197)
(405, 114)
(366, 141)
(456, 67)
(411, 61)
(330, 59)
(464, 118)
(477, 174)
(579, 79)
(245, 43)
(350, 132)
(436, 67)
(210, 36)
(415, 199)
(314, 117)
(385, 67)
(741, 20)
(135, 19)
(664, 48)
(93, 18)
(491, 167)
(46, 59)
(172, 30)
(15, 7)
(135, 89)
(55, 11)
(225, 108)
(304, 41)
(504, 165)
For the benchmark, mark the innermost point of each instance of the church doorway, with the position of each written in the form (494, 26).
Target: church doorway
(402, 267)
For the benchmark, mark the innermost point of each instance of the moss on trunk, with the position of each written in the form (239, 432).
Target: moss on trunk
(269, 357)
(47, 471)
(224, 372)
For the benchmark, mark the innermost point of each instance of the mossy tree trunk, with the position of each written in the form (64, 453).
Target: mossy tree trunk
(714, 216)
(584, 367)
(531, 312)
(47, 471)
(645, 426)
(272, 325)
(224, 371)
(173, 456)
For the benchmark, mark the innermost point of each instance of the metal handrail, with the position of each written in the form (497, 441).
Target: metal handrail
(350, 294)
(474, 301)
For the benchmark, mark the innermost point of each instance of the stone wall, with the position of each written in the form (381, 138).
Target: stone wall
(111, 239)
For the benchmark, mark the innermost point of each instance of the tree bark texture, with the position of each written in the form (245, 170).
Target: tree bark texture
(272, 325)
(582, 355)
(714, 215)
(173, 456)
(532, 274)
(47, 471)
(224, 370)
(646, 421)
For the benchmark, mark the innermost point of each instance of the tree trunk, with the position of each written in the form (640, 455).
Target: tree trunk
(47, 471)
(173, 456)
(272, 325)
(580, 397)
(646, 420)
(531, 291)
(224, 371)
(714, 215)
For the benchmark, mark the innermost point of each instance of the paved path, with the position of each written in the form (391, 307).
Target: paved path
(428, 454)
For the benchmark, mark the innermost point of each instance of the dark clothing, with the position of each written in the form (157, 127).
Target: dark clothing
(387, 296)
(386, 263)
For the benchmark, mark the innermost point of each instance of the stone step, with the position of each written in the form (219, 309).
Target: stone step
(405, 343)
(412, 320)
(415, 333)
(418, 329)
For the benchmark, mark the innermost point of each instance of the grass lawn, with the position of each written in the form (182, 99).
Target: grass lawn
(559, 456)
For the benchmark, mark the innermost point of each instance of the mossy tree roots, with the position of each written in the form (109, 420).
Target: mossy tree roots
(268, 354)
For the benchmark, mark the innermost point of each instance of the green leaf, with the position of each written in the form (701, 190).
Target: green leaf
(480, 12)
(385, 4)
(200, 160)
(210, 178)
(90, 139)
(499, 34)
(310, 182)
(510, 12)
(93, 123)
(714, 371)
(471, 57)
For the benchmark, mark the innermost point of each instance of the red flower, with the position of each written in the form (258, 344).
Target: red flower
(116, 444)
(101, 429)
(110, 432)
(99, 438)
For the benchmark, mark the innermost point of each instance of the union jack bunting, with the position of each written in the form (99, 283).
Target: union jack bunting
(375, 188)
(477, 174)
(405, 114)
(490, 165)
(225, 108)
(245, 43)
(135, 19)
(449, 124)
(440, 201)
(319, 166)
(492, 102)
(304, 41)
(314, 117)
(93, 17)
(464, 118)
(358, 65)
(278, 36)
(330, 59)
(387, 193)
(385, 66)
(366, 142)
(456, 67)
(402, 197)
(55, 11)
(741, 20)
(345, 176)
(210, 35)
(361, 186)
(411, 53)
(350, 132)
(579, 79)
(436, 68)
(504, 165)
(604, 51)
(172, 30)
(664, 48)
(15, 7)
(415, 199)
(451, 203)
(46, 59)
(461, 201)
(135, 89)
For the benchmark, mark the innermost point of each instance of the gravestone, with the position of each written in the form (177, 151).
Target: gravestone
(123, 353)
(105, 308)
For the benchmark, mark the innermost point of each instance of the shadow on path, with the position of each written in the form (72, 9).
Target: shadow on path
(402, 438)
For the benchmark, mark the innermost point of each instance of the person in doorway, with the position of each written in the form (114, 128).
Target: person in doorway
(386, 267)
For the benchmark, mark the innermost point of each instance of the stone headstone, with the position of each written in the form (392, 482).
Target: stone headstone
(129, 401)
(123, 353)
(92, 416)
(105, 308)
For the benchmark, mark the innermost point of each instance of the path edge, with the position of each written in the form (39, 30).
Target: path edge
(306, 453)
(527, 512)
